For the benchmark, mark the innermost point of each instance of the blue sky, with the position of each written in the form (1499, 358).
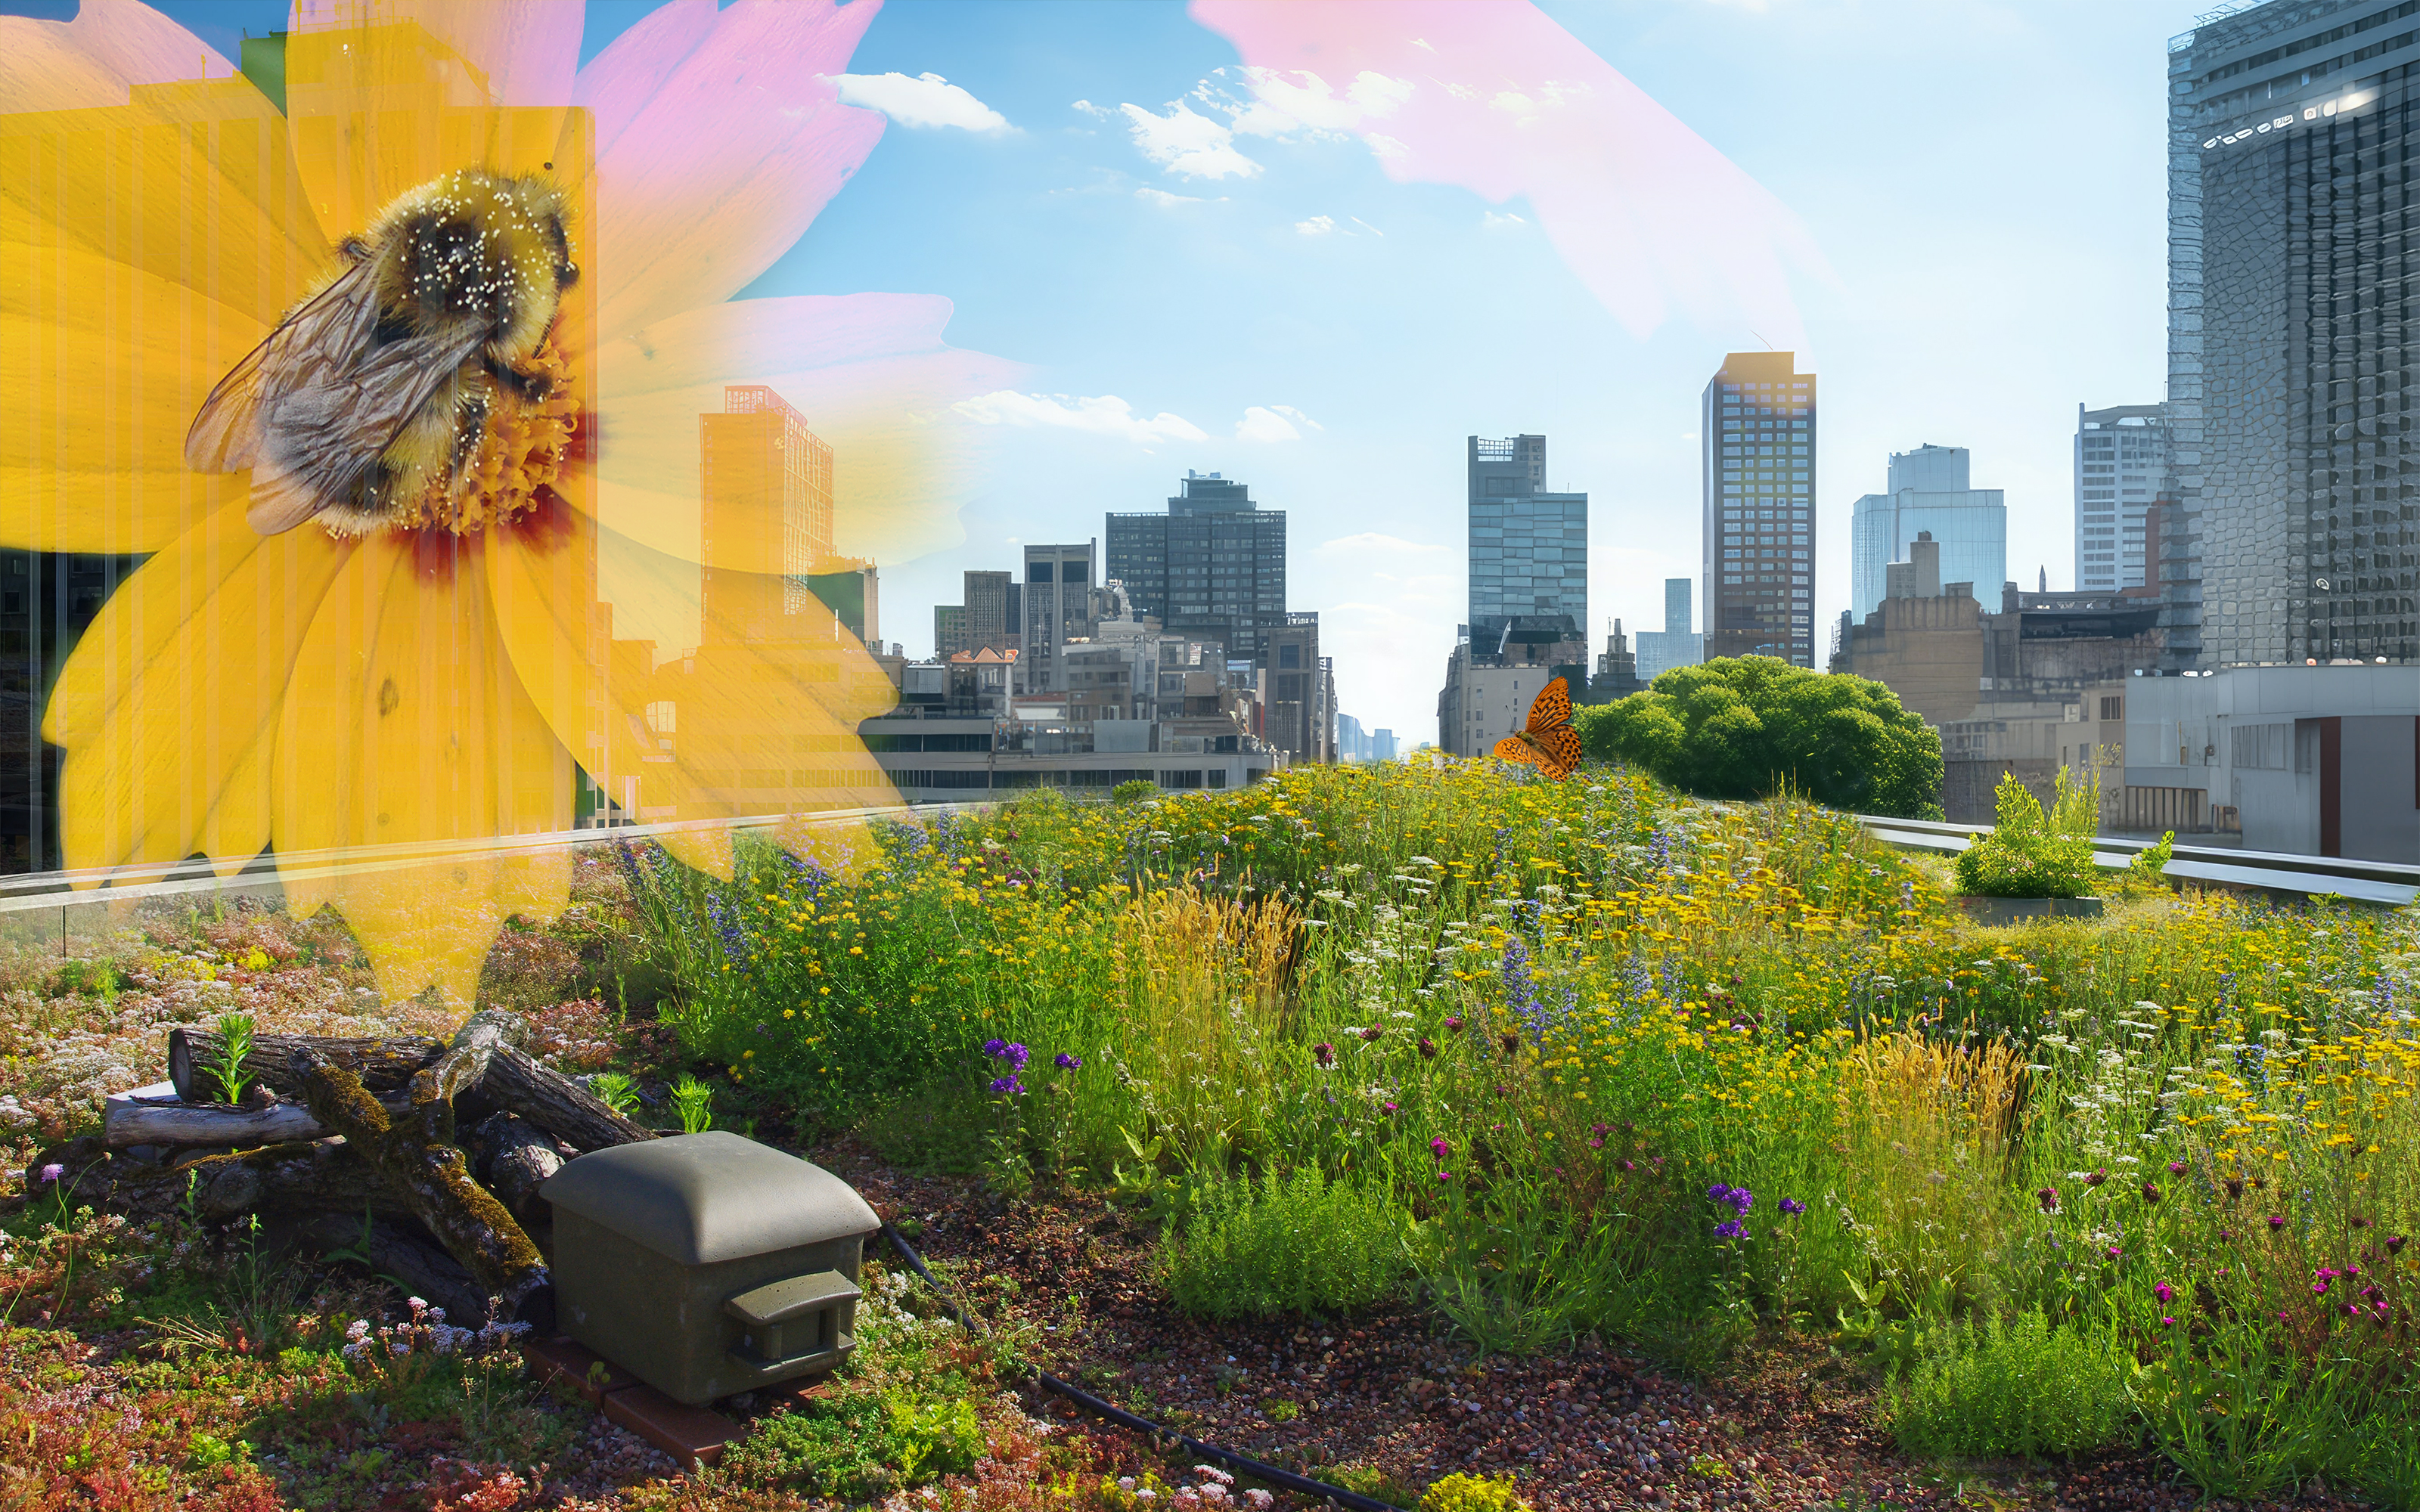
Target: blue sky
(1985, 183)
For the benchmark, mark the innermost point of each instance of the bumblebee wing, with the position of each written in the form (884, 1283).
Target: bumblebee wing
(1562, 748)
(321, 440)
(310, 409)
(1552, 707)
(1515, 749)
(328, 331)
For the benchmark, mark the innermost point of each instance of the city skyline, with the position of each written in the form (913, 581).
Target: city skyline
(1020, 208)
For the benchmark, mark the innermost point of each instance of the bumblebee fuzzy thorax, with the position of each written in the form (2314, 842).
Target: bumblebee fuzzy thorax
(420, 386)
(473, 246)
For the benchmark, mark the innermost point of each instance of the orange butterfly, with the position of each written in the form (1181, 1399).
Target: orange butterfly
(1549, 742)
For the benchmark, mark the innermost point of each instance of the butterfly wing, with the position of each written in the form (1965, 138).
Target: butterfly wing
(1515, 749)
(1552, 707)
(1560, 751)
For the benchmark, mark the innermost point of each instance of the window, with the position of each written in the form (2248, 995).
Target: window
(1037, 572)
(2260, 747)
(1290, 656)
(2113, 706)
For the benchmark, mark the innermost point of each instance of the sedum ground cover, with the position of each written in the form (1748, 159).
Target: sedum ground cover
(1548, 1061)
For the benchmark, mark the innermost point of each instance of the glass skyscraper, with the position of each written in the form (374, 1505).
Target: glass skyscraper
(2122, 460)
(1758, 437)
(1529, 548)
(1929, 490)
(2293, 362)
(1212, 569)
(1675, 645)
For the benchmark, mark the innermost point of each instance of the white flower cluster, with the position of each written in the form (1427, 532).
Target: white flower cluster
(427, 1332)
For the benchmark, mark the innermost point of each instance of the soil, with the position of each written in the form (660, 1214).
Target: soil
(1388, 1403)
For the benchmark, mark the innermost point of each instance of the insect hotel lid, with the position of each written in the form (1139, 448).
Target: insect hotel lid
(700, 1198)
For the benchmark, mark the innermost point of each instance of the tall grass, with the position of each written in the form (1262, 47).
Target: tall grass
(1558, 1029)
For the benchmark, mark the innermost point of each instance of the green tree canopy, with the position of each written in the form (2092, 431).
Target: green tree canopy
(1741, 727)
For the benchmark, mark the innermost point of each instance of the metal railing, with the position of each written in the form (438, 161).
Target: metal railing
(68, 905)
(2276, 871)
(39, 906)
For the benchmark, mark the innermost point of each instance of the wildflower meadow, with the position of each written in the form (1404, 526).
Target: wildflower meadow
(1592, 1059)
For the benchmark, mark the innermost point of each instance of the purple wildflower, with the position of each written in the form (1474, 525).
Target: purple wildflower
(49, 1173)
(1009, 1086)
(1792, 1206)
(1067, 1062)
(1730, 1229)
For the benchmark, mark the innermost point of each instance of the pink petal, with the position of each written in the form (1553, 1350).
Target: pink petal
(525, 52)
(1501, 100)
(872, 375)
(94, 60)
(717, 146)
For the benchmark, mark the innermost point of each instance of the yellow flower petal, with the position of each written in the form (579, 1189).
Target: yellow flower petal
(213, 624)
(405, 727)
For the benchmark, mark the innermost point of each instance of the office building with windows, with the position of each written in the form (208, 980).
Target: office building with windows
(1529, 548)
(1058, 602)
(2292, 372)
(2123, 461)
(1927, 491)
(1758, 435)
(1675, 645)
(1212, 568)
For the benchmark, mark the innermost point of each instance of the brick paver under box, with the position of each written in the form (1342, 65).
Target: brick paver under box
(692, 1435)
(561, 1359)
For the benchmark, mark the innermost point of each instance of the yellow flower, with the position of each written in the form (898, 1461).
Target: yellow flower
(425, 682)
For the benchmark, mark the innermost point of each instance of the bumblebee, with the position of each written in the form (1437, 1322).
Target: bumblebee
(372, 402)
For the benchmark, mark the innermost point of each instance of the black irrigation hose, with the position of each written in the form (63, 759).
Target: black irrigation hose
(1241, 1464)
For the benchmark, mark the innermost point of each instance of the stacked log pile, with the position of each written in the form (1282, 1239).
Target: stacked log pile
(421, 1158)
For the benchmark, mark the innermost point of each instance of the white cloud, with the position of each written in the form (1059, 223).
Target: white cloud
(926, 100)
(1106, 415)
(1188, 144)
(1493, 222)
(1096, 111)
(1367, 226)
(1318, 225)
(1165, 200)
(1272, 423)
(1284, 102)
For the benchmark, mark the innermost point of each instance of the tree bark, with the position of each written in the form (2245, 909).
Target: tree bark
(126, 1124)
(431, 1275)
(514, 1157)
(556, 1103)
(324, 1176)
(415, 1153)
(382, 1065)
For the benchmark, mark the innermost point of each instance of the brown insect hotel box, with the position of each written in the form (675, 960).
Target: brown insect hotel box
(707, 1264)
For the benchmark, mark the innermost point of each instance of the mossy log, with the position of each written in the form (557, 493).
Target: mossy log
(554, 1103)
(415, 1151)
(387, 1065)
(320, 1176)
(508, 1078)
